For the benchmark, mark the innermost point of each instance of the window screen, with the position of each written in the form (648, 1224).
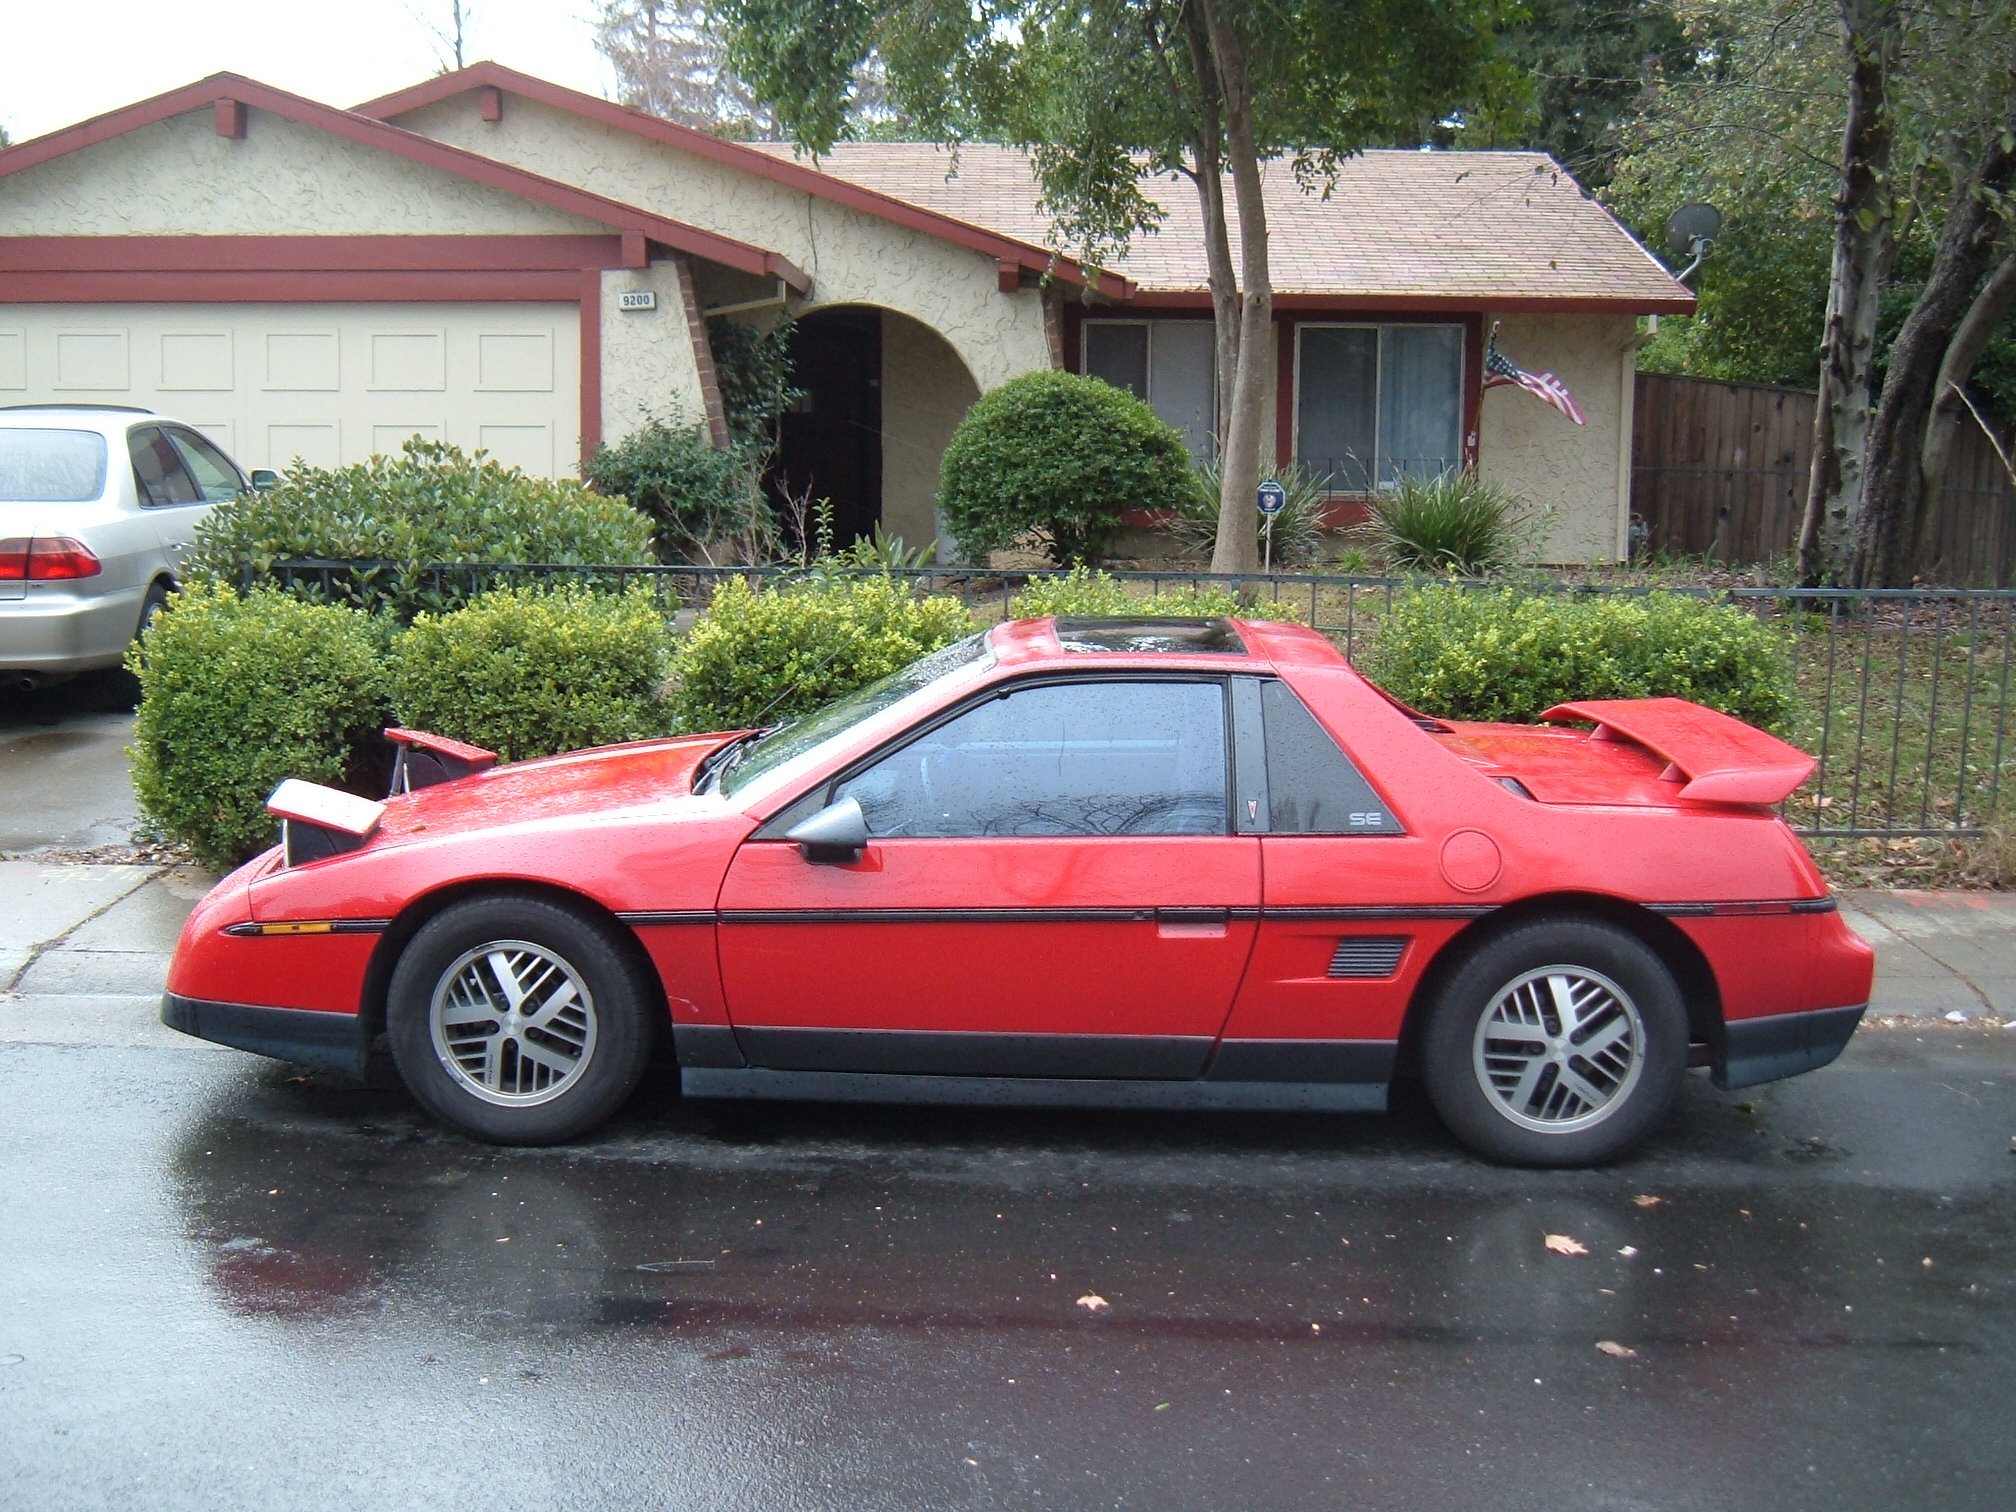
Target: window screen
(1375, 404)
(1167, 362)
(1312, 787)
(1089, 759)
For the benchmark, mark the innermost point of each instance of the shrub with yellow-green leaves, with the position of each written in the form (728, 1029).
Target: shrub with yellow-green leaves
(1508, 655)
(1083, 592)
(758, 656)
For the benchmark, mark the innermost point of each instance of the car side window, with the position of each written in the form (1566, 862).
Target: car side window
(158, 472)
(1086, 759)
(1312, 786)
(217, 477)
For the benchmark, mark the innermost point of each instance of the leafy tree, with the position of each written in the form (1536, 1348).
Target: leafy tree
(1107, 92)
(670, 61)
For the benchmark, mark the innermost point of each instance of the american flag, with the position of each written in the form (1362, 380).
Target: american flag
(1500, 369)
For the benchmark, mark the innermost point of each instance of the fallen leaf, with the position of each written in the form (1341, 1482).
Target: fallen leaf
(1092, 1302)
(1561, 1244)
(1161, 1406)
(1615, 1350)
(1646, 1199)
(1629, 1251)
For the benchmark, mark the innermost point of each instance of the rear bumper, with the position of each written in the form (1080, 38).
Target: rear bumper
(1784, 1044)
(330, 1041)
(62, 632)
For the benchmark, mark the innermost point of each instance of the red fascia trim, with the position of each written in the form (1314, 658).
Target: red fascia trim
(490, 101)
(251, 287)
(783, 171)
(230, 119)
(370, 132)
(588, 292)
(294, 254)
(1386, 305)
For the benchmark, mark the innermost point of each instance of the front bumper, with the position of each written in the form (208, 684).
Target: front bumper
(329, 1041)
(1783, 1044)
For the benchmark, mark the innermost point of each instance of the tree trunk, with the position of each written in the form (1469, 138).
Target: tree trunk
(1863, 210)
(1990, 308)
(1238, 546)
(1217, 240)
(1894, 485)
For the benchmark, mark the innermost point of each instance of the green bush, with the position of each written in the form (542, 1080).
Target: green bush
(430, 504)
(1058, 457)
(528, 672)
(1456, 523)
(1083, 592)
(1298, 524)
(706, 502)
(239, 693)
(1505, 655)
(755, 658)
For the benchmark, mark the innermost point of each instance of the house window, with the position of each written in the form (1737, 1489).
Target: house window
(1166, 362)
(1376, 403)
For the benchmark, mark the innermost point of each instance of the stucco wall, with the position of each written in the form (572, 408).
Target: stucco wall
(1580, 473)
(926, 391)
(179, 178)
(647, 355)
(852, 257)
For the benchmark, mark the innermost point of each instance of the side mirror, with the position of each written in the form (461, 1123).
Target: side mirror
(263, 478)
(835, 836)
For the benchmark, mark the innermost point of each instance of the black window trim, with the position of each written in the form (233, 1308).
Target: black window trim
(820, 794)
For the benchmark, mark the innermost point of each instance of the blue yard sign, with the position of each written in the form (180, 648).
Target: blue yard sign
(1272, 497)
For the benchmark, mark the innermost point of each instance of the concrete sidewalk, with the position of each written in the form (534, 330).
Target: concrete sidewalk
(84, 952)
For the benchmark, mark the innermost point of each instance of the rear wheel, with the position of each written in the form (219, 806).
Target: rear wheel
(519, 1020)
(1558, 1043)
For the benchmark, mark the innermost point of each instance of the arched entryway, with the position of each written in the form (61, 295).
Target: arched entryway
(881, 395)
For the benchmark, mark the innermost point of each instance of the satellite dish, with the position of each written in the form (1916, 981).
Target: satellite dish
(1691, 225)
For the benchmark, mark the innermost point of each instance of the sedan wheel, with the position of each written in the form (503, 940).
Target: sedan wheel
(520, 1020)
(1557, 1043)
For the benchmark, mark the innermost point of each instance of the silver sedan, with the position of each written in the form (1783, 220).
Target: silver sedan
(98, 508)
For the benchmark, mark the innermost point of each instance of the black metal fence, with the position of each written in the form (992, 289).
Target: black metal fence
(1903, 695)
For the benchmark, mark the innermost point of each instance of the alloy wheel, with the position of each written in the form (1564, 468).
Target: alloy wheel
(1559, 1049)
(513, 1023)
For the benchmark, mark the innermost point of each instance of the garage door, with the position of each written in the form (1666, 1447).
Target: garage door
(328, 383)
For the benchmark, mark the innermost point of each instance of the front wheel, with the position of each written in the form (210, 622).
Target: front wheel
(519, 1020)
(1558, 1043)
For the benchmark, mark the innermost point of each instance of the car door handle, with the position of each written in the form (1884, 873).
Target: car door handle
(1192, 923)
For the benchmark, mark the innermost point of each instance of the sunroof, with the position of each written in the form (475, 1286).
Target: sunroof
(1187, 636)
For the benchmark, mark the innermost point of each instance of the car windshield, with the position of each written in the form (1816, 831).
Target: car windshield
(770, 751)
(51, 466)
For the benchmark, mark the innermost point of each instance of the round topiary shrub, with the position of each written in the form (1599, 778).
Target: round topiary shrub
(757, 657)
(239, 693)
(1058, 458)
(429, 505)
(531, 672)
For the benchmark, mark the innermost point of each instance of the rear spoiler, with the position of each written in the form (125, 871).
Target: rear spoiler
(1721, 760)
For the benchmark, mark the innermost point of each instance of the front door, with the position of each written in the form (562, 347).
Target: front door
(1051, 888)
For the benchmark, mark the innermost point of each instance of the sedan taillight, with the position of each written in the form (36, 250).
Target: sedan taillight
(46, 559)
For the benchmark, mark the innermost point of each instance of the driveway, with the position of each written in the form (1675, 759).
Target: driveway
(63, 768)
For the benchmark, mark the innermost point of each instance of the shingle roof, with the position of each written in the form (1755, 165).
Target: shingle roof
(1498, 228)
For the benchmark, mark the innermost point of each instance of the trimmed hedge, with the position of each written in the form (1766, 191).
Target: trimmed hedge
(239, 693)
(1508, 655)
(531, 672)
(757, 657)
(430, 504)
(1084, 592)
(1059, 457)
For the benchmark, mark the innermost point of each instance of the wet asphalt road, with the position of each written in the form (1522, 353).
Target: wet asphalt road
(224, 1286)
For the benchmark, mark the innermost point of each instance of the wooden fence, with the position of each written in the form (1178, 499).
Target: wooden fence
(1719, 470)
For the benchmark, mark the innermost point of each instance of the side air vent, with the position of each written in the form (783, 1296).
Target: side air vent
(1368, 956)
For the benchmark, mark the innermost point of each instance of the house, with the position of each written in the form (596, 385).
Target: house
(499, 261)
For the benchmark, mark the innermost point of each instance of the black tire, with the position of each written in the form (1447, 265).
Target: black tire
(549, 1076)
(115, 688)
(1524, 1093)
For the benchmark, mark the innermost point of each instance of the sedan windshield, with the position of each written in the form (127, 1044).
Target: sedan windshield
(771, 750)
(51, 466)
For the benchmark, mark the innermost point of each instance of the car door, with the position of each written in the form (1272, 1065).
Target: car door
(1052, 887)
(217, 480)
(167, 492)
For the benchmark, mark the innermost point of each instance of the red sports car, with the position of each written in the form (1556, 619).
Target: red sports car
(1147, 864)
